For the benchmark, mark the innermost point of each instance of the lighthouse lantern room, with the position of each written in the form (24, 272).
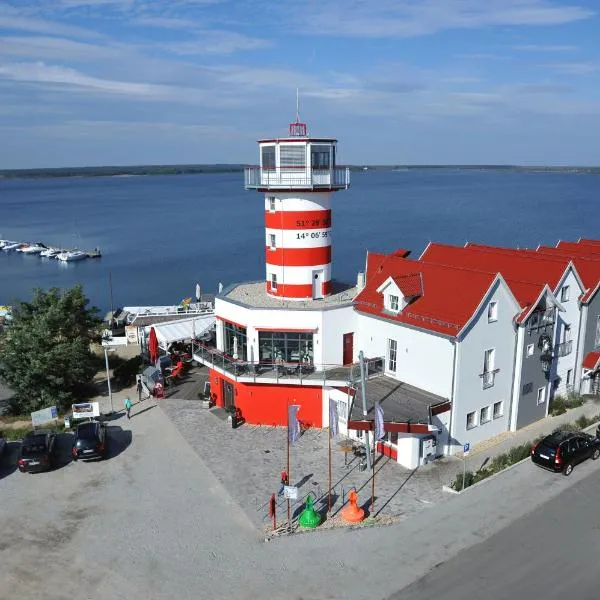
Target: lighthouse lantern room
(298, 175)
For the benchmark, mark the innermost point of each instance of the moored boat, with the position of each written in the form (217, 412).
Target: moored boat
(49, 252)
(12, 246)
(71, 255)
(32, 249)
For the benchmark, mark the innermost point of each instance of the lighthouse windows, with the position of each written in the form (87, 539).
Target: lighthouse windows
(272, 241)
(268, 157)
(274, 281)
(320, 157)
(292, 155)
(272, 203)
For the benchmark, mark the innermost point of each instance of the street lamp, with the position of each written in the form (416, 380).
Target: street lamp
(106, 351)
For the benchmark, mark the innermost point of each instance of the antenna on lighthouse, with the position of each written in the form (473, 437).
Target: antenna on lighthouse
(298, 129)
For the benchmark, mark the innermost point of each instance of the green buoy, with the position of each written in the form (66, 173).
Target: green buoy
(309, 517)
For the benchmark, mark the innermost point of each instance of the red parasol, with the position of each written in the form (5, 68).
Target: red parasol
(153, 346)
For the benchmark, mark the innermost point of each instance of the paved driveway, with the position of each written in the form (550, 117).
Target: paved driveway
(153, 522)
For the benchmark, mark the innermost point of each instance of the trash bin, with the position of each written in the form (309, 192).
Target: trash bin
(67, 421)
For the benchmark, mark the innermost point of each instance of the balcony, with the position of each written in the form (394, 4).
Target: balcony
(563, 349)
(488, 378)
(541, 320)
(300, 373)
(283, 178)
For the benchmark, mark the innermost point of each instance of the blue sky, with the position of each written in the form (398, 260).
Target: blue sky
(104, 82)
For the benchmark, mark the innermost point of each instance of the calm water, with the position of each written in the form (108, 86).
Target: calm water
(161, 235)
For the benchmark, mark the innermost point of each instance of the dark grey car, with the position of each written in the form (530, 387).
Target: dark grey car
(90, 441)
(562, 450)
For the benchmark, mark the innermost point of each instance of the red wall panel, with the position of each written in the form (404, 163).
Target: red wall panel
(267, 404)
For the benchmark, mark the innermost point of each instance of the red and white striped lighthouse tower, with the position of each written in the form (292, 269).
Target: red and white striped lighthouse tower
(298, 175)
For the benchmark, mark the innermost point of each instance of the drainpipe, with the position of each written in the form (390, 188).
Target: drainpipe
(363, 391)
(452, 398)
(516, 357)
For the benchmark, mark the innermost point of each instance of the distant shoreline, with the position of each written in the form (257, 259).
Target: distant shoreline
(130, 171)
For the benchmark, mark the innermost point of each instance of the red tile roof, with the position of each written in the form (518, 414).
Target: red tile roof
(525, 273)
(587, 249)
(587, 265)
(591, 361)
(410, 285)
(449, 300)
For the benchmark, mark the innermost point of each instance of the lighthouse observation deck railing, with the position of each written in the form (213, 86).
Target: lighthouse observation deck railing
(302, 373)
(285, 177)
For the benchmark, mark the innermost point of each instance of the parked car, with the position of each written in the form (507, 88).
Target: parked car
(561, 451)
(90, 441)
(37, 452)
(2, 445)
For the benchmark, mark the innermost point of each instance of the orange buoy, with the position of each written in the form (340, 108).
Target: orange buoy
(351, 513)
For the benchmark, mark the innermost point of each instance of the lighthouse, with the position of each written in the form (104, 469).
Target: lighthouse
(298, 175)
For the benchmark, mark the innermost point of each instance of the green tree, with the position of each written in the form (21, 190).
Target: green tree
(45, 354)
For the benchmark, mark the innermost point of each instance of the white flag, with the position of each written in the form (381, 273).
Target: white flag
(333, 418)
(293, 424)
(379, 431)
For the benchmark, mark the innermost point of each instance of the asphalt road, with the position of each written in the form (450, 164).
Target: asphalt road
(553, 554)
(153, 522)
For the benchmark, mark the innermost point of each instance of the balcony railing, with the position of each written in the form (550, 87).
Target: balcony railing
(286, 177)
(563, 349)
(488, 378)
(304, 373)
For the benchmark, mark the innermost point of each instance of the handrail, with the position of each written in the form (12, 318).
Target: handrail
(282, 370)
(335, 177)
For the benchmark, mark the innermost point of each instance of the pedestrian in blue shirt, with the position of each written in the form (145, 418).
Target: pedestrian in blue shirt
(128, 404)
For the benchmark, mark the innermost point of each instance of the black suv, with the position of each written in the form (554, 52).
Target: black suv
(562, 450)
(37, 452)
(90, 441)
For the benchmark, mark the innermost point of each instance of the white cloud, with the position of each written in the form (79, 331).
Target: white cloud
(407, 18)
(40, 72)
(544, 48)
(575, 68)
(217, 42)
(46, 47)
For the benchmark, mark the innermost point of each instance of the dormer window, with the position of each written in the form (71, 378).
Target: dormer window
(393, 302)
(400, 291)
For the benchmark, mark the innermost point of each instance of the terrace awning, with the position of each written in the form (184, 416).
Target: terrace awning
(182, 329)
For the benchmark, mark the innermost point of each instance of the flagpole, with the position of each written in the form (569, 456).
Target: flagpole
(289, 508)
(373, 478)
(329, 437)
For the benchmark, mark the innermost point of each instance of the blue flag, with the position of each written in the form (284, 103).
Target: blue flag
(333, 418)
(379, 431)
(293, 424)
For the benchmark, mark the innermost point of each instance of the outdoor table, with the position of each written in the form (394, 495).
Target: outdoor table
(346, 446)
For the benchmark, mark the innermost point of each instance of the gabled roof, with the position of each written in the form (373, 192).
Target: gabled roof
(450, 296)
(587, 265)
(584, 248)
(591, 361)
(588, 242)
(524, 280)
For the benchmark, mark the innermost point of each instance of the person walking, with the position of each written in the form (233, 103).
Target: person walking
(139, 388)
(128, 404)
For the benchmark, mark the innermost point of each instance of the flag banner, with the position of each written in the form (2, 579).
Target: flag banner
(333, 418)
(293, 423)
(379, 431)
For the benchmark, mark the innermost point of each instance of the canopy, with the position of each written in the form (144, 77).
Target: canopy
(182, 329)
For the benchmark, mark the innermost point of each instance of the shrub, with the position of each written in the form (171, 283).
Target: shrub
(557, 406)
(571, 426)
(574, 400)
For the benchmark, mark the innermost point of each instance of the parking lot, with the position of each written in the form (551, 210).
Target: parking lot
(153, 522)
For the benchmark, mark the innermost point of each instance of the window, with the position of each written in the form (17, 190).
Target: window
(555, 383)
(393, 302)
(392, 353)
(273, 281)
(527, 388)
(492, 312)
(320, 156)
(471, 420)
(292, 155)
(541, 396)
(530, 349)
(570, 377)
(268, 157)
(286, 346)
(498, 410)
(484, 415)
(272, 203)
(272, 241)
(233, 332)
(597, 340)
(564, 294)
(489, 357)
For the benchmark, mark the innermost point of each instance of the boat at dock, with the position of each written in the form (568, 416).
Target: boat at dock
(71, 255)
(11, 246)
(36, 248)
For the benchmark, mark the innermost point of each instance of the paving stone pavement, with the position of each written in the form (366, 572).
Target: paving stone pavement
(248, 461)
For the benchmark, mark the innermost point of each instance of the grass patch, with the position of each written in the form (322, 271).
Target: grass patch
(516, 454)
(15, 434)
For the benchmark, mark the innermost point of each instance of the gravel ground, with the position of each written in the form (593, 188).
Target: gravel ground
(152, 522)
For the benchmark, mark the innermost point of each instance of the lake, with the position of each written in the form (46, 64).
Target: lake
(159, 235)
